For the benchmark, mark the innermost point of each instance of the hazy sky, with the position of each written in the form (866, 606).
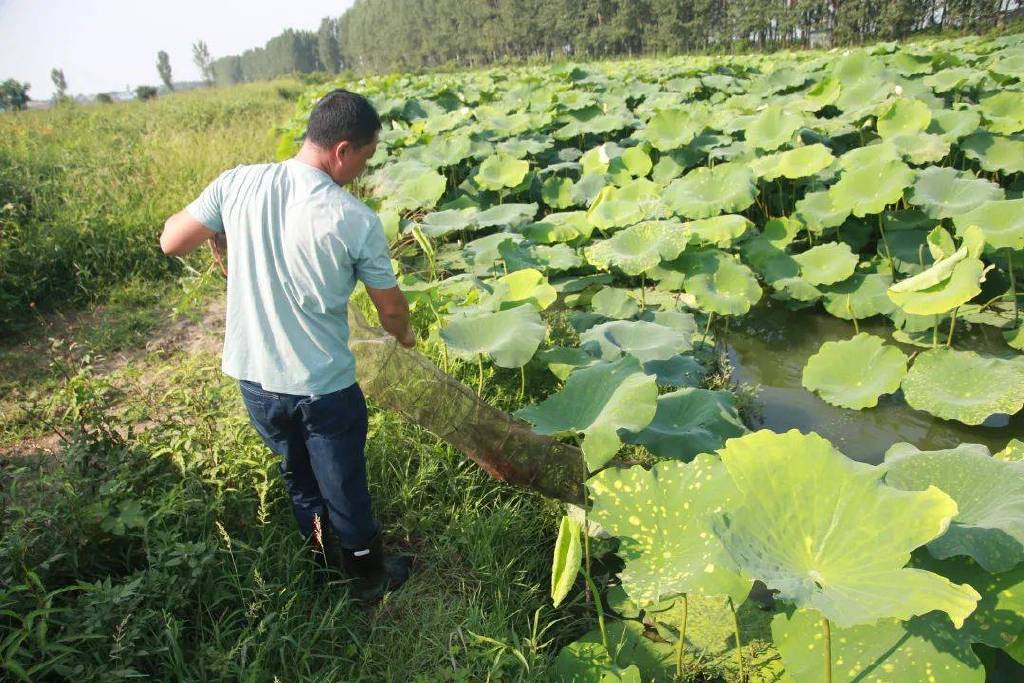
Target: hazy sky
(103, 45)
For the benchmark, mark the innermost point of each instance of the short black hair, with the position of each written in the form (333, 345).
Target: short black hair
(342, 115)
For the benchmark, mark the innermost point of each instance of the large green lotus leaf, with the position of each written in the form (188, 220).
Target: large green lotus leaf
(861, 296)
(964, 386)
(564, 226)
(511, 215)
(483, 251)
(641, 339)
(719, 282)
(590, 662)
(989, 525)
(637, 161)
(995, 152)
(597, 401)
(904, 115)
(772, 128)
(410, 185)
(827, 263)
(889, 651)
(524, 286)
(819, 545)
(541, 257)
(662, 518)
(943, 192)
(510, 337)
(690, 421)
(962, 284)
(819, 95)
(1014, 451)
(638, 248)
(722, 231)
(853, 373)
(500, 171)
(803, 161)
(776, 235)
(557, 192)
(614, 302)
(920, 148)
(706, 192)
(875, 153)
(563, 360)
(656, 660)
(819, 210)
(869, 188)
(607, 212)
(1002, 222)
(951, 79)
(953, 124)
(1004, 111)
(677, 371)
(440, 223)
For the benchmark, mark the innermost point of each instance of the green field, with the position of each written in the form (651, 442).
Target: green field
(590, 247)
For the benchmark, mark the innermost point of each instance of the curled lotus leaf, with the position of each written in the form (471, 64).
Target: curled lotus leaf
(510, 337)
(772, 128)
(564, 226)
(921, 649)
(500, 171)
(566, 561)
(1004, 111)
(819, 210)
(524, 286)
(662, 518)
(641, 339)
(861, 296)
(638, 248)
(706, 192)
(690, 421)
(964, 385)
(995, 152)
(722, 231)
(719, 282)
(853, 373)
(989, 493)
(1001, 221)
(905, 115)
(597, 401)
(946, 284)
(870, 188)
(825, 552)
(614, 302)
(827, 263)
(942, 192)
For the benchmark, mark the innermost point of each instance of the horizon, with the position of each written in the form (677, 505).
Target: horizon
(34, 42)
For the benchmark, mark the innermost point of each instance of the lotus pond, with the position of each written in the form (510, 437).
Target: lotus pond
(845, 229)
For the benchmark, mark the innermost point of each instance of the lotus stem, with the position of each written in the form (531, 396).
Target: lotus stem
(592, 587)
(739, 643)
(952, 326)
(1013, 287)
(885, 243)
(935, 332)
(522, 381)
(828, 649)
(480, 382)
(682, 639)
(849, 309)
(707, 328)
(643, 296)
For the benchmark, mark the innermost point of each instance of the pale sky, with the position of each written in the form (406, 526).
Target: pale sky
(103, 45)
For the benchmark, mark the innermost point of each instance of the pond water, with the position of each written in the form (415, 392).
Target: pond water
(770, 346)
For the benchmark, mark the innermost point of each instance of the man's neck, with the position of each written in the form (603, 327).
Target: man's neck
(312, 156)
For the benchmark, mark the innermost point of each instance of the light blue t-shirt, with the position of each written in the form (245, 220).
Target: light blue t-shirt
(297, 243)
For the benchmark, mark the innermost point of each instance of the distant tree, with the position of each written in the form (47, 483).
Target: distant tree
(60, 84)
(104, 98)
(145, 92)
(202, 59)
(13, 95)
(327, 46)
(163, 67)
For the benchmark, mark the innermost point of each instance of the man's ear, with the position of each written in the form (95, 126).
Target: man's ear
(341, 149)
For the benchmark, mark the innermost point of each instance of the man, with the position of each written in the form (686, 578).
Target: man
(298, 243)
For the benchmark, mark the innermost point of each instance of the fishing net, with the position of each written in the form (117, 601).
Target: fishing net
(406, 381)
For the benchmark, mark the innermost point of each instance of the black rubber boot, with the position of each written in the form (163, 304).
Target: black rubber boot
(375, 572)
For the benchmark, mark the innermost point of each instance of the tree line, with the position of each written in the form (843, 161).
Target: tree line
(291, 51)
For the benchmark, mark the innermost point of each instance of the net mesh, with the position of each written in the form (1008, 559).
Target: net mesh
(406, 381)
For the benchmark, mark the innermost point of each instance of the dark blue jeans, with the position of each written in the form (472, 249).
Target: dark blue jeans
(321, 440)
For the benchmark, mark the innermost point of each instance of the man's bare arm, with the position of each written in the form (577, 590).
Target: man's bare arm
(393, 309)
(183, 233)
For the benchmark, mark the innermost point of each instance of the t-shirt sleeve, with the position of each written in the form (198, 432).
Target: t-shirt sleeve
(373, 265)
(206, 207)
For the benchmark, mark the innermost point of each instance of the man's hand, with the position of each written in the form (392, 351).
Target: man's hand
(393, 309)
(219, 246)
(408, 340)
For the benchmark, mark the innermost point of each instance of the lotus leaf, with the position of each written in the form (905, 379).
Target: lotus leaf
(524, 286)
(706, 192)
(721, 231)
(563, 360)
(483, 252)
(889, 651)
(1014, 451)
(557, 192)
(410, 185)
(614, 302)
(720, 283)
(995, 152)
(989, 525)
(948, 283)
(510, 337)
(853, 373)
(677, 371)
(644, 340)
(953, 124)
(637, 162)
(825, 552)
(903, 116)
(638, 248)
(964, 386)
(670, 129)
(861, 296)
(802, 162)
(511, 215)
(501, 171)
(542, 257)
(868, 189)
(1004, 111)
(597, 401)
(820, 210)
(920, 148)
(662, 518)
(827, 263)
(944, 192)
(440, 223)
(772, 128)
(689, 421)
(608, 212)
(560, 227)
(1002, 222)
(566, 561)
(590, 662)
